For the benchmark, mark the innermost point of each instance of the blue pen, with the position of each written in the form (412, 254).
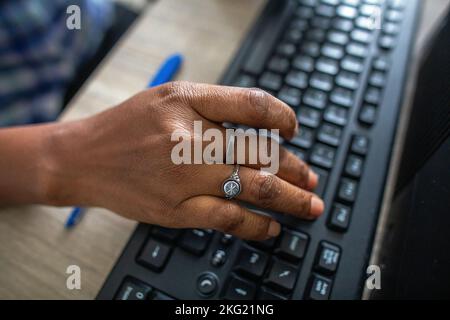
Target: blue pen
(166, 72)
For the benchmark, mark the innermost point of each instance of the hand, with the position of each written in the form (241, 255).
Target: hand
(121, 160)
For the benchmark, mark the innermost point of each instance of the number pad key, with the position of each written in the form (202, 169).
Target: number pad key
(292, 245)
(327, 258)
(251, 262)
(282, 276)
(323, 156)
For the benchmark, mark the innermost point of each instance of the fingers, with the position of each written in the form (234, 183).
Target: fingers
(229, 217)
(247, 151)
(266, 191)
(251, 107)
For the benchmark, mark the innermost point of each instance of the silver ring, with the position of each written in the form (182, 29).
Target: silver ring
(231, 187)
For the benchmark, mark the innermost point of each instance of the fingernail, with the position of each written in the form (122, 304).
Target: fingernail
(313, 180)
(317, 206)
(274, 229)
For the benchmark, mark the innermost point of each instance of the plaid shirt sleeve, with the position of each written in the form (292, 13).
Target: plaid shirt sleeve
(39, 55)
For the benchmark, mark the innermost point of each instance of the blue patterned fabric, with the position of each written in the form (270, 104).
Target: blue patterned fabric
(39, 55)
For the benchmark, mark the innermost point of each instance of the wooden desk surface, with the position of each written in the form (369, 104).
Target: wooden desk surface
(35, 249)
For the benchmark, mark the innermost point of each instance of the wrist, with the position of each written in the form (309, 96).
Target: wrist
(64, 181)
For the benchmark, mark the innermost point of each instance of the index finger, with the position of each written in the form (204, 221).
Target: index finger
(252, 107)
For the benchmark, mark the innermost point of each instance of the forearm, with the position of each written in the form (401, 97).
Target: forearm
(32, 165)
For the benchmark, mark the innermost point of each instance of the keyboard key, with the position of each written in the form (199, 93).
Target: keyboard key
(346, 12)
(332, 51)
(331, 2)
(337, 37)
(329, 134)
(342, 97)
(365, 23)
(316, 35)
(321, 23)
(353, 3)
(397, 4)
(165, 233)
(387, 42)
(303, 63)
(354, 166)
(323, 177)
(327, 258)
(311, 49)
(282, 276)
(207, 284)
(360, 145)
(344, 25)
(292, 245)
(352, 64)
(322, 156)
(133, 290)
(267, 294)
(340, 217)
(326, 11)
(321, 81)
(270, 81)
(308, 117)
(391, 29)
(278, 64)
(357, 50)
(286, 49)
(294, 35)
(297, 79)
(373, 96)
(304, 139)
(245, 81)
(299, 25)
(394, 16)
(347, 190)
(155, 254)
(251, 262)
(226, 239)
(336, 115)
(218, 258)
(319, 288)
(368, 115)
(195, 240)
(304, 12)
(327, 66)
(382, 63)
(362, 36)
(239, 289)
(291, 96)
(347, 80)
(309, 3)
(265, 244)
(377, 79)
(315, 98)
(369, 10)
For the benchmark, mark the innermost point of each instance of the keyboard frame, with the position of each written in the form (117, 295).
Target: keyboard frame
(178, 279)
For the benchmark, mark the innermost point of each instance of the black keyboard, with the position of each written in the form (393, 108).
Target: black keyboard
(343, 74)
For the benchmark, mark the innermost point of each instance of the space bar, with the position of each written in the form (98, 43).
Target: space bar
(268, 32)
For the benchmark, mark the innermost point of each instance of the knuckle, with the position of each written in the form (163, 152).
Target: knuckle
(176, 91)
(260, 100)
(266, 189)
(230, 217)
